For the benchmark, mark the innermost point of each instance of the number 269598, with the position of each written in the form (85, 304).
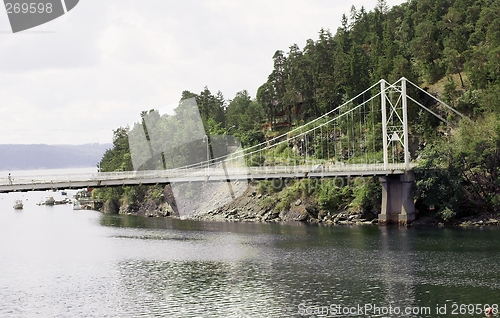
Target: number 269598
(28, 7)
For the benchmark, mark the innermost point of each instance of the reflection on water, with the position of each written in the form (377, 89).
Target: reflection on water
(57, 262)
(397, 272)
(194, 288)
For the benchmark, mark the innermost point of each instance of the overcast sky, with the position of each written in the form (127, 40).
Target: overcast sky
(77, 78)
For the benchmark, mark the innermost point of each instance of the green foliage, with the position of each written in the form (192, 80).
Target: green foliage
(255, 160)
(286, 197)
(117, 158)
(269, 186)
(281, 147)
(423, 41)
(282, 193)
(156, 192)
(105, 194)
(334, 196)
(268, 202)
(367, 193)
(250, 137)
(438, 182)
(477, 155)
(447, 213)
(462, 173)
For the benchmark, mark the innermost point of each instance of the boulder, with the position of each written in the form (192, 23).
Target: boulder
(110, 206)
(312, 211)
(425, 221)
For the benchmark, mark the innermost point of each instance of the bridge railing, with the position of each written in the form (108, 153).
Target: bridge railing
(207, 172)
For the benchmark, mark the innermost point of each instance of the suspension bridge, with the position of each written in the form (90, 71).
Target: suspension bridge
(368, 135)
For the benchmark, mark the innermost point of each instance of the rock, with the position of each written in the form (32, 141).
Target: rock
(368, 215)
(425, 221)
(273, 215)
(322, 215)
(232, 212)
(148, 207)
(110, 206)
(262, 213)
(125, 209)
(232, 217)
(294, 215)
(340, 217)
(312, 211)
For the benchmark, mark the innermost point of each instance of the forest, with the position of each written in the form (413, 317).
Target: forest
(450, 48)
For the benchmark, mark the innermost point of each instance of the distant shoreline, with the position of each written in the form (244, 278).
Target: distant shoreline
(42, 157)
(45, 171)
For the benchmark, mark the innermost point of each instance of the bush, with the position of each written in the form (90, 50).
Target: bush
(268, 203)
(334, 198)
(447, 213)
(367, 193)
(270, 186)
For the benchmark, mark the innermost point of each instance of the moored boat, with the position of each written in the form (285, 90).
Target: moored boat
(76, 205)
(50, 200)
(18, 204)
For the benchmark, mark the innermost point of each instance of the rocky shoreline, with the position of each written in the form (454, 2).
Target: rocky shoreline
(249, 207)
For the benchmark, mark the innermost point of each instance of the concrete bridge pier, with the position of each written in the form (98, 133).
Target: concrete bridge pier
(397, 199)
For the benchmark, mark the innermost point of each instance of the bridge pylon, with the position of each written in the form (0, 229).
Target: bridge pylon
(397, 199)
(394, 108)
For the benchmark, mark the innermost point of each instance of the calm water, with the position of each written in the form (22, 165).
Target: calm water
(56, 262)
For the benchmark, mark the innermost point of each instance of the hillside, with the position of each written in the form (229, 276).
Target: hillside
(40, 156)
(449, 48)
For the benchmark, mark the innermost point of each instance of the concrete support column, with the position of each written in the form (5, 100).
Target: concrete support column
(397, 199)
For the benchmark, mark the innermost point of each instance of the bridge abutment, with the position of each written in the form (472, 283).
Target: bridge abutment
(397, 199)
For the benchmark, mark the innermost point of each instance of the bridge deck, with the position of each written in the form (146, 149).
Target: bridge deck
(211, 174)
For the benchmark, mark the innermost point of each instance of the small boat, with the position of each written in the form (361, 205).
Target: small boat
(50, 200)
(18, 204)
(76, 205)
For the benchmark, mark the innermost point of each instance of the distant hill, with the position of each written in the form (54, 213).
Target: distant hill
(39, 156)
